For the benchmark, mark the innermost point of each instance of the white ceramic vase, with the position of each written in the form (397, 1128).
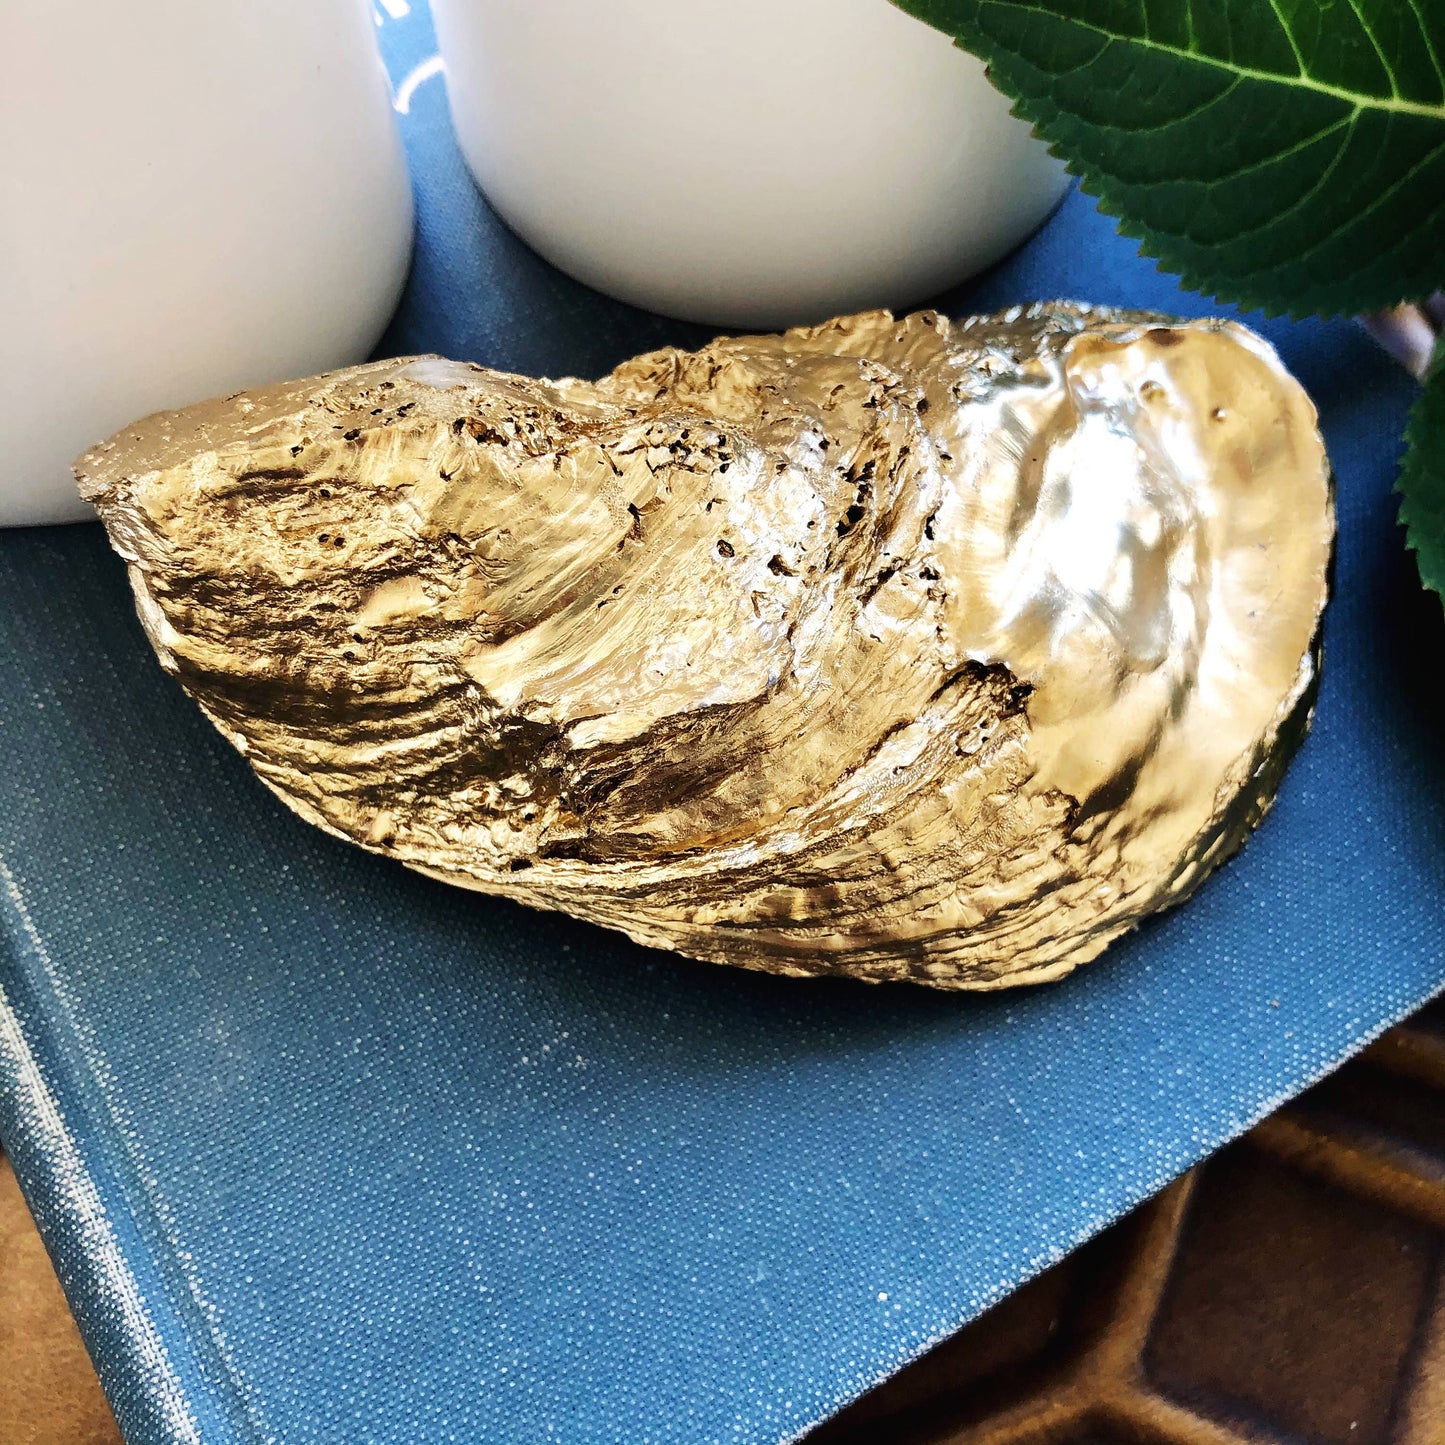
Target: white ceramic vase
(756, 163)
(195, 196)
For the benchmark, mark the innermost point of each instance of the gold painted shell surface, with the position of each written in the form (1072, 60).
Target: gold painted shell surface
(903, 649)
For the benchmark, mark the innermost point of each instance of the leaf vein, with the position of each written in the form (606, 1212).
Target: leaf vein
(1175, 118)
(1375, 202)
(1244, 169)
(1430, 50)
(1299, 59)
(1358, 99)
(1374, 40)
(1303, 199)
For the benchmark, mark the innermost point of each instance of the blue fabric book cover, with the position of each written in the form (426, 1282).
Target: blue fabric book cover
(328, 1152)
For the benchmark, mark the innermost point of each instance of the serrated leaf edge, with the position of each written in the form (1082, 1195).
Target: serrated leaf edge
(1410, 463)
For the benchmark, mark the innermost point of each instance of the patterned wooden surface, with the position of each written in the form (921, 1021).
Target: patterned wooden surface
(48, 1392)
(1289, 1292)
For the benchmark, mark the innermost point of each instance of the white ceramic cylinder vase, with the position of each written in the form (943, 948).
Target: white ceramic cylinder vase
(757, 163)
(195, 196)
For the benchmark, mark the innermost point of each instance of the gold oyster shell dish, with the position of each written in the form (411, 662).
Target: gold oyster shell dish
(901, 649)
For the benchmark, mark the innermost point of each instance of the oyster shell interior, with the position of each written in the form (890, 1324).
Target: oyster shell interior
(893, 648)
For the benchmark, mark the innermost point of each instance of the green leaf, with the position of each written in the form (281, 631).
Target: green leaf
(1281, 153)
(1422, 477)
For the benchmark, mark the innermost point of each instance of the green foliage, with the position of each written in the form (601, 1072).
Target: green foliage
(1288, 154)
(1422, 478)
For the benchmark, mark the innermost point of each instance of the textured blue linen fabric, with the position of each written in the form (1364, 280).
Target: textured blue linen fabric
(327, 1152)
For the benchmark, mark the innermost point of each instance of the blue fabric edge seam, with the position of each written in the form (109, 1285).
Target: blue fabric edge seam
(81, 1228)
